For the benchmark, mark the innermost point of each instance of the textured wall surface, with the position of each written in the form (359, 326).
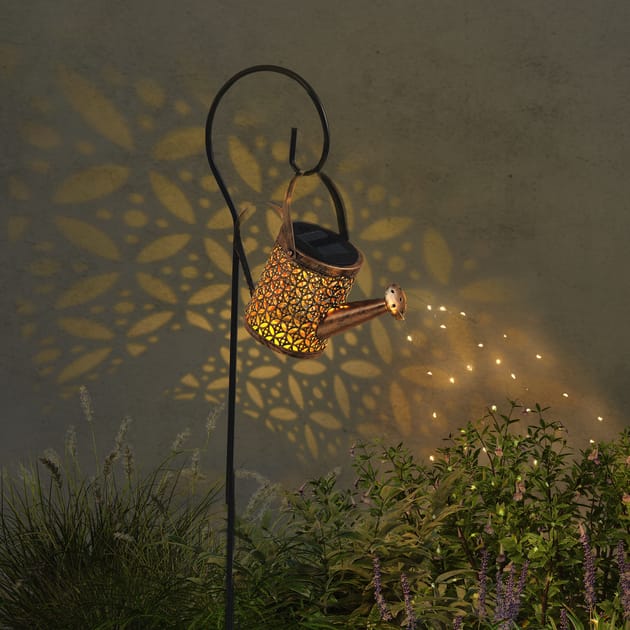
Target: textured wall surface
(482, 152)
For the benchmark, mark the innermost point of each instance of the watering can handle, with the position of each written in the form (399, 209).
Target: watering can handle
(337, 202)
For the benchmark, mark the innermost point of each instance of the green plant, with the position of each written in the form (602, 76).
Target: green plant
(507, 528)
(311, 566)
(112, 551)
(524, 496)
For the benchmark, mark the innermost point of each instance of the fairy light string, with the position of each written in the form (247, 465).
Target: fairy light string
(494, 352)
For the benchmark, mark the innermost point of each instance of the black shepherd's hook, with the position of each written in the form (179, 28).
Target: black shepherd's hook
(238, 245)
(238, 256)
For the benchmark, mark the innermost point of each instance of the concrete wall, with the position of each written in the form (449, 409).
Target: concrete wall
(482, 152)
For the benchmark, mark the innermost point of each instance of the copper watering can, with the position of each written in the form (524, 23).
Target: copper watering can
(300, 299)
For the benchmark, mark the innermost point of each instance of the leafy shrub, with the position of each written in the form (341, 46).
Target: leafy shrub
(508, 527)
(312, 566)
(526, 497)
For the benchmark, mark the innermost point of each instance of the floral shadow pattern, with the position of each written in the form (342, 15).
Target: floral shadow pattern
(125, 245)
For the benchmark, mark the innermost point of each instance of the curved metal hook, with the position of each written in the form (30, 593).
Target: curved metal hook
(238, 245)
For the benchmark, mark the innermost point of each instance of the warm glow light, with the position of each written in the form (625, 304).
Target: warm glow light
(504, 336)
(513, 375)
(429, 307)
(435, 414)
(430, 373)
(538, 356)
(600, 418)
(469, 367)
(498, 361)
(431, 458)
(565, 394)
(275, 315)
(494, 407)
(480, 345)
(452, 379)
(442, 325)
(443, 308)
(462, 313)
(409, 338)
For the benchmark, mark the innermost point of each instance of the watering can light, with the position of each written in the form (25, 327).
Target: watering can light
(300, 299)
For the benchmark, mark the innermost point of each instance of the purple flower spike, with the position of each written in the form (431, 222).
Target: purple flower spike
(386, 615)
(508, 599)
(515, 595)
(411, 615)
(624, 579)
(501, 607)
(589, 569)
(483, 583)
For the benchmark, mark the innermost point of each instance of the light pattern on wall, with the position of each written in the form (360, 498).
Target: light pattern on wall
(123, 242)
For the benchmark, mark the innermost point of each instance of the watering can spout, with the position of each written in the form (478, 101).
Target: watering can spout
(352, 314)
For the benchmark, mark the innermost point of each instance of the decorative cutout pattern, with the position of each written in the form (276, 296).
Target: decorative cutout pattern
(290, 301)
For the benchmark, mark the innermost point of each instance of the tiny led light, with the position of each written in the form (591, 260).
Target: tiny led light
(480, 345)
(434, 414)
(452, 379)
(498, 361)
(442, 325)
(513, 375)
(494, 407)
(600, 418)
(409, 338)
(462, 313)
(443, 308)
(430, 373)
(469, 367)
(539, 356)
(429, 307)
(431, 458)
(565, 394)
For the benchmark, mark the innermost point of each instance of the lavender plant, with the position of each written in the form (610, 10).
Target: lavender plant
(508, 597)
(409, 609)
(624, 579)
(589, 571)
(385, 613)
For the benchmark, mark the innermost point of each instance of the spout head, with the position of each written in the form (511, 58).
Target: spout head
(396, 301)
